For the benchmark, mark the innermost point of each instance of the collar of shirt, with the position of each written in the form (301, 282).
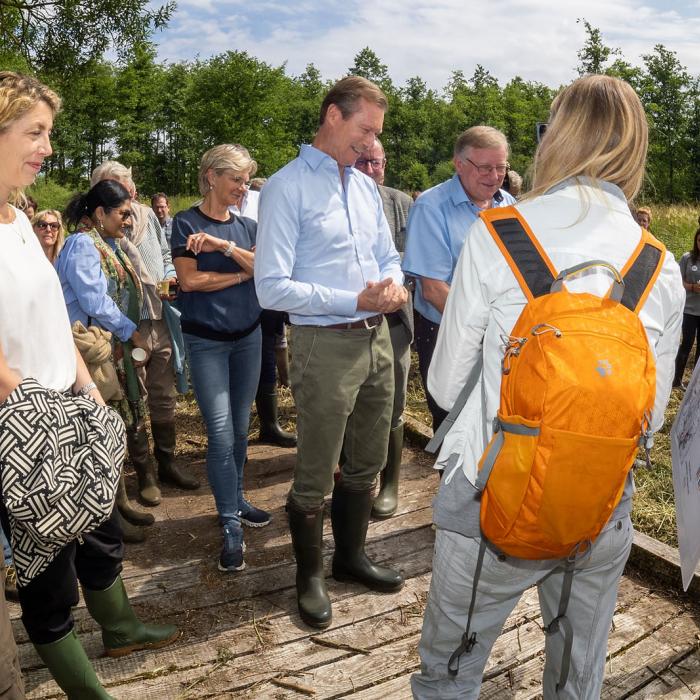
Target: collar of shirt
(585, 181)
(315, 158)
(459, 196)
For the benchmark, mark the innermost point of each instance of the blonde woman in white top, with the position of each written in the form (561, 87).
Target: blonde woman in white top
(36, 341)
(587, 169)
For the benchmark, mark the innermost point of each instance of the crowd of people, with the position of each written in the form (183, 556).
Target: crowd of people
(136, 304)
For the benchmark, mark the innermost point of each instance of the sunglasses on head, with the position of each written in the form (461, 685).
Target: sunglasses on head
(53, 225)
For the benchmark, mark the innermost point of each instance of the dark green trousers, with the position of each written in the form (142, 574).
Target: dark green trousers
(343, 387)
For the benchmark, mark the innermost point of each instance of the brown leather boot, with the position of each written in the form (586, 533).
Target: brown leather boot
(164, 451)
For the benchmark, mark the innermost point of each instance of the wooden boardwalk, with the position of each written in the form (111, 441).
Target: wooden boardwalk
(242, 637)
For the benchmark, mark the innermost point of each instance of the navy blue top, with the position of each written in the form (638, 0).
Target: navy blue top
(227, 313)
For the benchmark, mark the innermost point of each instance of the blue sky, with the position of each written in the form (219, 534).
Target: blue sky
(430, 38)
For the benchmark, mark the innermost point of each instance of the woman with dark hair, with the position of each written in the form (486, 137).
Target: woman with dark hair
(690, 271)
(33, 327)
(101, 288)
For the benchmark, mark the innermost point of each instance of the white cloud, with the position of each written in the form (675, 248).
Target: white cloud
(533, 39)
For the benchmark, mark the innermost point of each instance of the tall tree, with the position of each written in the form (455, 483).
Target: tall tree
(594, 54)
(665, 91)
(55, 35)
(367, 65)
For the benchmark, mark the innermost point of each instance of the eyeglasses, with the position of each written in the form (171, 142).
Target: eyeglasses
(374, 162)
(53, 225)
(487, 169)
(124, 215)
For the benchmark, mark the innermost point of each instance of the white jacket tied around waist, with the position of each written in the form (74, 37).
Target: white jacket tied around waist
(573, 223)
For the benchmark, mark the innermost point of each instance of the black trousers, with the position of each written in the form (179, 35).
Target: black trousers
(426, 336)
(690, 332)
(271, 325)
(47, 599)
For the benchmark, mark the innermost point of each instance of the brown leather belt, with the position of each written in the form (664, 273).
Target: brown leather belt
(366, 323)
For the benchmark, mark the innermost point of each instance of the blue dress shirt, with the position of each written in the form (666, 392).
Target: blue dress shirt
(320, 243)
(85, 288)
(437, 228)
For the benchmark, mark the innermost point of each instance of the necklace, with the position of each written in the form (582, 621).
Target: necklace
(5, 219)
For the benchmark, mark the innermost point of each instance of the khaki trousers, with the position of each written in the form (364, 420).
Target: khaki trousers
(157, 378)
(343, 387)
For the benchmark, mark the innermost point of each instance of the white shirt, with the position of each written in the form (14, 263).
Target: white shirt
(249, 206)
(485, 300)
(35, 334)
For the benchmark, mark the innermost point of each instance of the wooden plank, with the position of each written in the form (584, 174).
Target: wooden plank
(199, 585)
(681, 681)
(242, 640)
(395, 689)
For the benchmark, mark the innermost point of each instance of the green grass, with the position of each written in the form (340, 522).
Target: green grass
(675, 225)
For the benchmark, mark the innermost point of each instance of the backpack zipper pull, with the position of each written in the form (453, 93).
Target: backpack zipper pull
(542, 328)
(513, 345)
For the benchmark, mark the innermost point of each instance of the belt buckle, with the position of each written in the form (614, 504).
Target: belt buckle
(367, 326)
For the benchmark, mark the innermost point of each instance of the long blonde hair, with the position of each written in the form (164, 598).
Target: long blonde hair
(60, 238)
(597, 129)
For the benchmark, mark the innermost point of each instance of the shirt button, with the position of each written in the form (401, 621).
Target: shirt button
(502, 557)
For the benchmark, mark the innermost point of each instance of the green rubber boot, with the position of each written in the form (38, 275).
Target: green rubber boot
(306, 528)
(350, 517)
(137, 444)
(71, 669)
(122, 631)
(387, 500)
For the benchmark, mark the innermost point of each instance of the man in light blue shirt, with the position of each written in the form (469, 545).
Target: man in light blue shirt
(437, 228)
(325, 255)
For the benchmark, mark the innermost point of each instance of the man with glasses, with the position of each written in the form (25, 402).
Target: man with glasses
(396, 205)
(438, 226)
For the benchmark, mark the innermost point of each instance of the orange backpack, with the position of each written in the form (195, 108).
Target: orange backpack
(577, 391)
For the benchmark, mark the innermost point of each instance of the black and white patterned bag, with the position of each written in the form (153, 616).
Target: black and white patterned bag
(60, 462)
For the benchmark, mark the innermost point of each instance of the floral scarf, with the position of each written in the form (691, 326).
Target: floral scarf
(124, 288)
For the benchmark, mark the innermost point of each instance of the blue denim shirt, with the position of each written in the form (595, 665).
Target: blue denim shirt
(86, 289)
(319, 242)
(437, 228)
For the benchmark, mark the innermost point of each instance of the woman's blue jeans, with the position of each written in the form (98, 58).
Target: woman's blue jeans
(225, 378)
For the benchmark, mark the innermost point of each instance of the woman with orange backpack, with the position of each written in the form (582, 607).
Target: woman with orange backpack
(557, 345)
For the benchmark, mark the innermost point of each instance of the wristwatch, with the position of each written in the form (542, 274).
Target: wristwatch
(228, 252)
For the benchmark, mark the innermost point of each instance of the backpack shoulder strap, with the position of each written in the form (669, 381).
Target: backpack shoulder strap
(522, 251)
(641, 271)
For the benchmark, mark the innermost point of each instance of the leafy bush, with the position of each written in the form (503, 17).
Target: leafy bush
(49, 194)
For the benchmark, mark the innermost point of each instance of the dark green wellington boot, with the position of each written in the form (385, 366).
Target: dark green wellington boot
(307, 538)
(122, 631)
(132, 534)
(164, 451)
(350, 517)
(270, 431)
(71, 669)
(137, 444)
(387, 500)
(127, 510)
